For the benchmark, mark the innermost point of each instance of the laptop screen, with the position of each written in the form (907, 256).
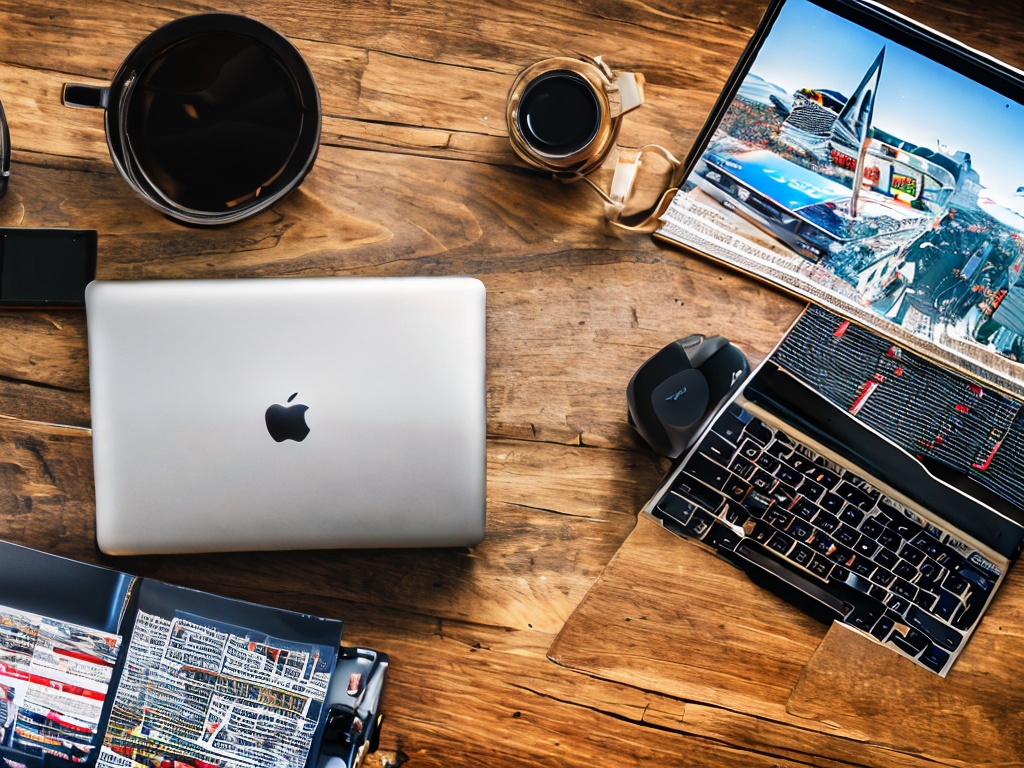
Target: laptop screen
(875, 167)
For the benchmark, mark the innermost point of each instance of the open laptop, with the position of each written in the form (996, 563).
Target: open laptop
(295, 413)
(869, 470)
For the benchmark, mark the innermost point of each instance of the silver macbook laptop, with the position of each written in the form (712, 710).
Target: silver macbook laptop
(286, 413)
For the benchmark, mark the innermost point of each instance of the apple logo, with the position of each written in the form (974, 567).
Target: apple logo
(287, 422)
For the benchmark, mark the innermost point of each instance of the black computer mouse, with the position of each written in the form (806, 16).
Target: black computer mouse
(678, 390)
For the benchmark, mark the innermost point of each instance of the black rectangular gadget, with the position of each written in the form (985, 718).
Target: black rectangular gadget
(870, 470)
(46, 267)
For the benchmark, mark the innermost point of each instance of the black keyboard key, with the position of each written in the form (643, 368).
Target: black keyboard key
(735, 514)
(934, 658)
(949, 559)
(898, 605)
(975, 578)
(823, 543)
(778, 518)
(886, 557)
(722, 536)
(865, 547)
(905, 570)
(768, 463)
(811, 490)
(832, 503)
(890, 539)
(750, 450)
(742, 467)
(761, 532)
(757, 503)
(925, 599)
(941, 634)
(930, 574)
(802, 463)
(912, 555)
(856, 496)
(928, 544)
(780, 447)
(856, 581)
(824, 476)
(762, 481)
(717, 448)
(820, 567)
(905, 528)
(883, 627)
(710, 472)
(788, 475)
(846, 535)
(729, 426)
(800, 530)
(912, 643)
(947, 605)
(882, 577)
(872, 527)
(825, 521)
(801, 555)
(804, 508)
(784, 495)
(877, 592)
(736, 488)
(842, 555)
(865, 614)
(903, 588)
(965, 619)
(863, 567)
(781, 542)
(840, 573)
(759, 431)
(691, 488)
(676, 507)
(851, 515)
(955, 583)
(699, 523)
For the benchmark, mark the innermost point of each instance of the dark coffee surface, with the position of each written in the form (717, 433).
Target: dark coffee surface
(559, 113)
(213, 121)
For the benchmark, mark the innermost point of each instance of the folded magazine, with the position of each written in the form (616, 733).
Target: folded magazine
(102, 668)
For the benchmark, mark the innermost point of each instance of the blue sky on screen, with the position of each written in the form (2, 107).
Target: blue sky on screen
(918, 100)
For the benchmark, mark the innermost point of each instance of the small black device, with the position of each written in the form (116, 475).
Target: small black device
(678, 390)
(5, 152)
(46, 267)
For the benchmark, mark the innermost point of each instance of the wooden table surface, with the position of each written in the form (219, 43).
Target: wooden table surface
(415, 176)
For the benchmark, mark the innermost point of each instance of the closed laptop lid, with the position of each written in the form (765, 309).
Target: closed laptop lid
(291, 413)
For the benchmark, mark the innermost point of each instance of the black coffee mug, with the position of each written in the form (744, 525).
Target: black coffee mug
(211, 118)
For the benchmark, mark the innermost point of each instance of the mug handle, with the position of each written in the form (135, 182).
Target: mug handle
(86, 96)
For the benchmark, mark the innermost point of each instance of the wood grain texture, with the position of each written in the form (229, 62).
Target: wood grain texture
(415, 176)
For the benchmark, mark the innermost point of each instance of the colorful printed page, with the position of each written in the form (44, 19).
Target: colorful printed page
(54, 679)
(201, 692)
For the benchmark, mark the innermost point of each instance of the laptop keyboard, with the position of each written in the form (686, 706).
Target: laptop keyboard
(771, 504)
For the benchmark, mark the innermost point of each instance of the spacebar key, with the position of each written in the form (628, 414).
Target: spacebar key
(765, 570)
